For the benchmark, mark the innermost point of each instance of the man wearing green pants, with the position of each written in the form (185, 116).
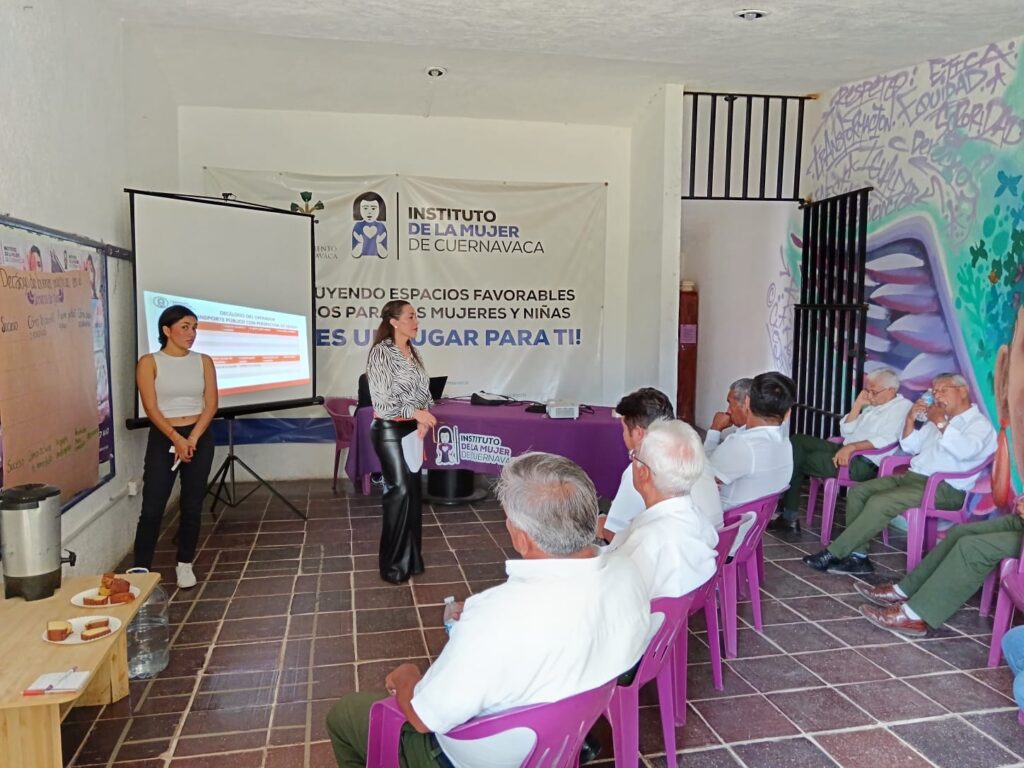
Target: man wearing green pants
(955, 438)
(946, 578)
(567, 620)
(875, 421)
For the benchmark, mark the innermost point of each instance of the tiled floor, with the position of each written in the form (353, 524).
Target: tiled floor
(289, 615)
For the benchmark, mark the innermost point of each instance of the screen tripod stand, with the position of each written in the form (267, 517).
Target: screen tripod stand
(226, 492)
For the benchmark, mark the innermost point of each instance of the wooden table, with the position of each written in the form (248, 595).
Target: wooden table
(30, 725)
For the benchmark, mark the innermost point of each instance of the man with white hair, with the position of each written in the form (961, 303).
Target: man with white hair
(955, 437)
(638, 410)
(532, 639)
(670, 542)
(875, 420)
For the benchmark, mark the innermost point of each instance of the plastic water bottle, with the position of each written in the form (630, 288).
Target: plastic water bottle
(449, 613)
(148, 635)
(928, 399)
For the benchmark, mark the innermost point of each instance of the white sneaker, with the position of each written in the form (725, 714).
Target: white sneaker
(186, 578)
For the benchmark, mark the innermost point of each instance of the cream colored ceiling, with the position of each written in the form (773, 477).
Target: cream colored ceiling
(573, 60)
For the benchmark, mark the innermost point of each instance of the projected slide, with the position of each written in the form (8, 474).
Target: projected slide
(254, 349)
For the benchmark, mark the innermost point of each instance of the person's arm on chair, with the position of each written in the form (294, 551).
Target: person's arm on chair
(401, 683)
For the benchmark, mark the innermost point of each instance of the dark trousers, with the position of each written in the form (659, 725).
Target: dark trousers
(871, 506)
(348, 725)
(958, 566)
(812, 457)
(157, 481)
(401, 535)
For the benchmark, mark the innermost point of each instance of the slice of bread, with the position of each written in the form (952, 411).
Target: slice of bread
(97, 623)
(92, 634)
(98, 600)
(58, 631)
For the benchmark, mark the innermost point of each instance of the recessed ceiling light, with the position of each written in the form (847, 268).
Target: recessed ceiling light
(750, 14)
(436, 72)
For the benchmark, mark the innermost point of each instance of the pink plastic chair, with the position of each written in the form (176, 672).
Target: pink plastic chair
(560, 728)
(703, 598)
(624, 710)
(922, 521)
(746, 557)
(1011, 597)
(344, 428)
(832, 486)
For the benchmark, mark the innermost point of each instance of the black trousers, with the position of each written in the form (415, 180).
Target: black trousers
(157, 481)
(401, 535)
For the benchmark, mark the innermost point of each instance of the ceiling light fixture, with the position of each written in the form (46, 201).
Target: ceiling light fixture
(750, 14)
(436, 72)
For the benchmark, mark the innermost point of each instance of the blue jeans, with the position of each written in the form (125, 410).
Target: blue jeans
(1013, 650)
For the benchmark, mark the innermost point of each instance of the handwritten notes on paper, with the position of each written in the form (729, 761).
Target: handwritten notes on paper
(48, 409)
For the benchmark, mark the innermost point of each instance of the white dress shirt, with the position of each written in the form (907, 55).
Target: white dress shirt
(628, 503)
(714, 437)
(672, 545)
(880, 425)
(967, 441)
(554, 629)
(751, 464)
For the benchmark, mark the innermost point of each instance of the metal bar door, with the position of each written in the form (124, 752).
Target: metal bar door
(831, 319)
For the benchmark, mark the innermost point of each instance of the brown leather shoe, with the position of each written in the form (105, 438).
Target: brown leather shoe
(883, 595)
(893, 618)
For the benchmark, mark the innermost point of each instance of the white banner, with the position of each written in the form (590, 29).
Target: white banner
(508, 278)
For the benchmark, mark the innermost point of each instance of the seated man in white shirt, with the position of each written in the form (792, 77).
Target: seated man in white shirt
(671, 544)
(527, 641)
(875, 420)
(638, 410)
(758, 460)
(733, 418)
(956, 437)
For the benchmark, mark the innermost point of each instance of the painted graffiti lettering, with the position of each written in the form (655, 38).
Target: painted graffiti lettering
(919, 134)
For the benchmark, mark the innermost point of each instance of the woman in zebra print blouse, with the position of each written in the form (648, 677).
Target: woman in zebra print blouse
(400, 390)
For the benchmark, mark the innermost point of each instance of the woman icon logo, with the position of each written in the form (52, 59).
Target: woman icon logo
(447, 447)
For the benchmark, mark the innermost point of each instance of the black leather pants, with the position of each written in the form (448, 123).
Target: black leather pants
(401, 535)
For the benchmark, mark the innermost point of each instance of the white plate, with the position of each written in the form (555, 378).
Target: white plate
(78, 625)
(79, 599)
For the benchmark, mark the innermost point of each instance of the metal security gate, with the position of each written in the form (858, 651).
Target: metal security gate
(830, 320)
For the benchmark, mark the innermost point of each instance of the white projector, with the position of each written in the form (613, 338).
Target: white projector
(561, 409)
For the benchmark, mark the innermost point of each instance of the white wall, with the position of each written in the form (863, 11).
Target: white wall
(652, 271)
(62, 158)
(731, 250)
(150, 115)
(358, 144)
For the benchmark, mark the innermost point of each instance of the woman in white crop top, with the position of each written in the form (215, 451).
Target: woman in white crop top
(178, 389)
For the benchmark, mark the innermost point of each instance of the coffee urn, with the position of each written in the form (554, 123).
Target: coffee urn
(30, 541)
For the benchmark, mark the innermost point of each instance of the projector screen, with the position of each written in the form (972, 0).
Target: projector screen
(247, 273)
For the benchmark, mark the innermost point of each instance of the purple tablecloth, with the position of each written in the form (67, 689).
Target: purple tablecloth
(483, 438)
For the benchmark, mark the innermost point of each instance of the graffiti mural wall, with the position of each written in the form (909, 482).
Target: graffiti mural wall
(942, 144)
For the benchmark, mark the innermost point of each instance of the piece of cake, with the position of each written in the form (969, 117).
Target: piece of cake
(92, 634)
(120, 598)
(97, 623)
(58, 631)
(119, 586)
(98, 600)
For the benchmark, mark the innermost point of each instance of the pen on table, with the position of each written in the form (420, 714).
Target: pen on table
(51, 686)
